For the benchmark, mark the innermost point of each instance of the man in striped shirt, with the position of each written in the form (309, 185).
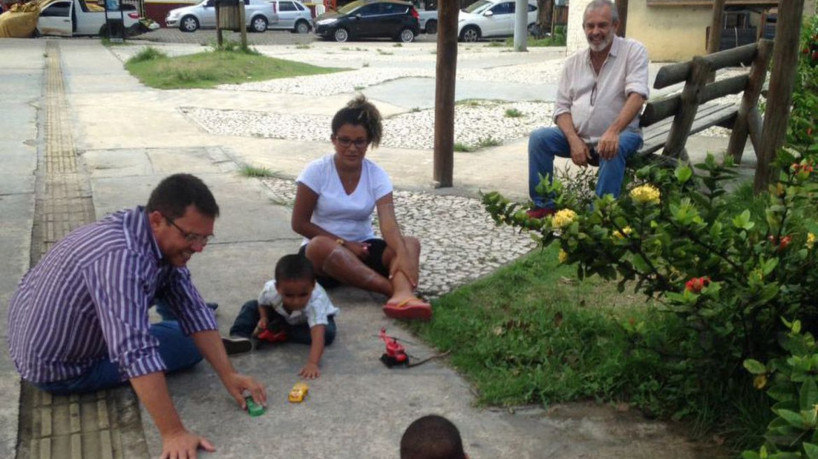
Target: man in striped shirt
(78, 321)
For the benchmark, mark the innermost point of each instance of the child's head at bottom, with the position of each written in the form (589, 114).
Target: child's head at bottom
(432, 437)
(295, 280)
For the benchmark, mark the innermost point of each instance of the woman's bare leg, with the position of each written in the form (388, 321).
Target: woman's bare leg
(330, 259)
(401, 287)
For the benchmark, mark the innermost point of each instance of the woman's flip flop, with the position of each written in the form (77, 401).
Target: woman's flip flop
(410, 308)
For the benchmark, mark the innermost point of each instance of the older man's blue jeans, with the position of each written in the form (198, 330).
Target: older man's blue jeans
(546, 143)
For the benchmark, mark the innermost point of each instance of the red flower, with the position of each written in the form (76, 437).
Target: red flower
(696, 284)
(785, 241)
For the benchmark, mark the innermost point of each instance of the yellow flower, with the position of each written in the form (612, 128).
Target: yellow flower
(563, 256)
(810, 240)
(646, 194)
(626, 231)
(563, 218)
(760, 381)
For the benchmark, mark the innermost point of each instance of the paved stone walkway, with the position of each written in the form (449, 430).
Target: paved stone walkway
(106, 424)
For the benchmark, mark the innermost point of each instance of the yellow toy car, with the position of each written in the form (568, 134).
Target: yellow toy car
(298, 392)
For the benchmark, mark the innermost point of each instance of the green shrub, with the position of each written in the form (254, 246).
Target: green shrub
(790, 380)
(802, 128)
(725, 272)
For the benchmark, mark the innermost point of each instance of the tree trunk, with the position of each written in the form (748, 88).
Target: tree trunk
(546, 15)
(622, 7)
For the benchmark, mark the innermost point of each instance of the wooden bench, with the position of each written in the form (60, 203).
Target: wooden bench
(667, 121)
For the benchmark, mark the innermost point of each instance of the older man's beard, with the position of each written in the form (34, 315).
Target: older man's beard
(601, 47)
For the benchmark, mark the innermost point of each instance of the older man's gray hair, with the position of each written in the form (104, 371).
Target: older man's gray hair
(597, 4)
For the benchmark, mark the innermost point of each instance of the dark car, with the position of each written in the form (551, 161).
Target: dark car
(370, 19)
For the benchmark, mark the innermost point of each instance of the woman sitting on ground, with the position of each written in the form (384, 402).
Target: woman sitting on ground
(333, 211)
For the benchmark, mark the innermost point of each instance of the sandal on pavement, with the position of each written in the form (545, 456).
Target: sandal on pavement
(237, 345)
(410, 308)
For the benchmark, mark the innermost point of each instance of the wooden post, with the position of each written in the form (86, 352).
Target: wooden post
(782, 81)
(714, 40)
(680, 129)
(243, 24)
(445, 72)
(749, 101)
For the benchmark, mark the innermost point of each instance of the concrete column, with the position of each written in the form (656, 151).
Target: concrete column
(575, 38)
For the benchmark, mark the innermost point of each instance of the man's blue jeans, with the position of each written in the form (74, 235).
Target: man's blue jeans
(177, 351)
(249, 316)
(546, 143)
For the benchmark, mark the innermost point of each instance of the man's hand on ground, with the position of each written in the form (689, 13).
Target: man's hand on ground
(237, 383)
(184, 445)
(608, 145)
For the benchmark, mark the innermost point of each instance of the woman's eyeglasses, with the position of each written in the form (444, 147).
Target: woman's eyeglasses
(346, 142)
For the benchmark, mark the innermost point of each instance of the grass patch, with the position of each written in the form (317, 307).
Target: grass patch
(513, 113)
(384, 53)
(258, 172)
(469, 102)
(148, 54)
(462, 147)
(230, 64)
(488, 141)
(533, 333)
(303, 46)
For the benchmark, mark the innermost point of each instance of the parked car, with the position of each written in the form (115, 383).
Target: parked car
(370, 19)
(427, 20)
(292, 15)
(74, 18)
(491, 18)
(258, 14)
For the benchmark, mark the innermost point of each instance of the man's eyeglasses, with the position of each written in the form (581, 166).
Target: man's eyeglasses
(191, 237)
(346, 142)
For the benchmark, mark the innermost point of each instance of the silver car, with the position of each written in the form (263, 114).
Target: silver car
(292, 15)
(258, 13)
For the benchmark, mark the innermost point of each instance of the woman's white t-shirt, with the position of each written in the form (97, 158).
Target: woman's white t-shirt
(348, 216)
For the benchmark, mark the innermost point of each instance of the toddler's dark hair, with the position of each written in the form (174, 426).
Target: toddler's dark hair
(360, 112)
(294, 267)
(431, 437)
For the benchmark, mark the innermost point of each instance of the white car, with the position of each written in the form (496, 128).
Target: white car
(258, 14)
(292, 15)
(491, 18)
(427, 19)
(74, 17)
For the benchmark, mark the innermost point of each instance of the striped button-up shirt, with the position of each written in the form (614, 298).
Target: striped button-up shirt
(88, 299)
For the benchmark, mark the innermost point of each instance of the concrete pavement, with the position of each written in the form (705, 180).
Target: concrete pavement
(128, 137)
